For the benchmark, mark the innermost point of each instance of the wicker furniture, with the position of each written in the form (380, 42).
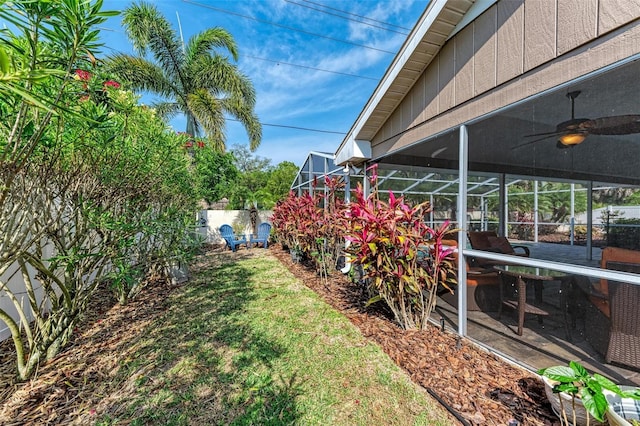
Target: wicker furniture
(490, 241)
(613, 317)
(513, 292)
(482, 287)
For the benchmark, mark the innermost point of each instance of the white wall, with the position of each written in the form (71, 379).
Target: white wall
(14, 282)
(623, 212)
(210, 231)
(213, 219)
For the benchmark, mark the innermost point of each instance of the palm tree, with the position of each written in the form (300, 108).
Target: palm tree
(194, 79)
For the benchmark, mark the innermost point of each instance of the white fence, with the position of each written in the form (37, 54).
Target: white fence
(211, 220)
(209, 228)
(15, 283)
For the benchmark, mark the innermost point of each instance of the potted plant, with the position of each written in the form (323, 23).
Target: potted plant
(624, 410)
(580, 395)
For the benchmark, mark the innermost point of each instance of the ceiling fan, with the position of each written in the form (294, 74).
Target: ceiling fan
(574, 131)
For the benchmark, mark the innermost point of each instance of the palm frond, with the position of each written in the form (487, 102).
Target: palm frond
(209, 113)
(149, 31)
(222, 78)
(142, 75)
(167, 110)
(204, 43)
(245, 115)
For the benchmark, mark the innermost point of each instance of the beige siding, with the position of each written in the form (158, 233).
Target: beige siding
(515, 49)
(396, 122)
(417, 101)
(611, 48)
(539, 33)
(406, 116)
(576, 23)
(484, 45)
(464, 65)
(614, 13)
(510, 58)
(446, 74)
(431, 90)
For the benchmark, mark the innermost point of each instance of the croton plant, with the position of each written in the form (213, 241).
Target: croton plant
(403, 259)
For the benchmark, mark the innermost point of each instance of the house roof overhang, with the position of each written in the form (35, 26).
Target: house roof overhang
(503, 120)
(438, 23)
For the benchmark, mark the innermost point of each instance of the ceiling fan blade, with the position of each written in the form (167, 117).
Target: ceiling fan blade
(543, 134)
(614, 125)
(548, 135)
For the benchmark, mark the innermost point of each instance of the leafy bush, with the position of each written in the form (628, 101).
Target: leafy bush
(386, 240)
(94, 188)
(625, 233)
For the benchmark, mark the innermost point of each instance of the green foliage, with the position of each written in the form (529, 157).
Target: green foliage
(95, 189)
(216, 173)
(386, 239)
(259, 183)
(624, 233)
(247, 162)
(554, 200)
(576, 381)
(280, 178)
(194, 79)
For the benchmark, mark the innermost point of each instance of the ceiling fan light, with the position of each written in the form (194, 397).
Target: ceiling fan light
(572, 138)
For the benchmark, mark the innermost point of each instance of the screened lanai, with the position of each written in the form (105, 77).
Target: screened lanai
(491, 101)
(440, 189)
(429, 170)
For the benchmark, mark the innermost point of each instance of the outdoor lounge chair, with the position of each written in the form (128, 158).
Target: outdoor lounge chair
(612, 319)
(483, 291)
(232, 240)
(490, 241)
(264, 230)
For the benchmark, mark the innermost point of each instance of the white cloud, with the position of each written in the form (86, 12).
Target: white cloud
(294, 96)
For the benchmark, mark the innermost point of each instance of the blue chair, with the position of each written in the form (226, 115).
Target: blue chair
(264, 230)
(232, 240)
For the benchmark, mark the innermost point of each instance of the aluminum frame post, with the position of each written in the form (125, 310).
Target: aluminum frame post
(463, 168)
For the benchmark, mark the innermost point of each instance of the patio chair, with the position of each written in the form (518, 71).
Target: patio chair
(613, 318)
(490, 241)
(232, 240)
(483, 292)
(264, 231)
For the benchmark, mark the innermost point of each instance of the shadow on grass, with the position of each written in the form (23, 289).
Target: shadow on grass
(202, 362)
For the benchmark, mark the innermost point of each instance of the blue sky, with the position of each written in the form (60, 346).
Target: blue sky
(283, 32)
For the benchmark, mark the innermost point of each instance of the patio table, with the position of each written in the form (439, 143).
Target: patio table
(517, 300)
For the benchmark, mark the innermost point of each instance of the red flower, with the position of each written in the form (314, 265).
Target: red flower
(200, 144)
(111, 83)
(82, 75)
(188, 144)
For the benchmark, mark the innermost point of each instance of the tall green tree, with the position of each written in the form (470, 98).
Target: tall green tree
(193, 79)
(216, 173)
(280, 180)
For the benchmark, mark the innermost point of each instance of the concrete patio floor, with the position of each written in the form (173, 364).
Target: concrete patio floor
(542, 344)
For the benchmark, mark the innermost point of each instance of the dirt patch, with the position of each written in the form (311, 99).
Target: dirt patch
(480, 387)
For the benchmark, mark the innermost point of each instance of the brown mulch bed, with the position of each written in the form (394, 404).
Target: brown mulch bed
(478, 386)
(70, 389)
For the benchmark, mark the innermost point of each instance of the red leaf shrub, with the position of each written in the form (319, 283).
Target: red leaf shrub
(402, 258)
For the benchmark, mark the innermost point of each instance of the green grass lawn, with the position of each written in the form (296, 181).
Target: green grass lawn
(245, 343)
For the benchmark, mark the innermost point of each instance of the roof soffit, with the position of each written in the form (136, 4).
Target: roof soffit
(431, 32)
